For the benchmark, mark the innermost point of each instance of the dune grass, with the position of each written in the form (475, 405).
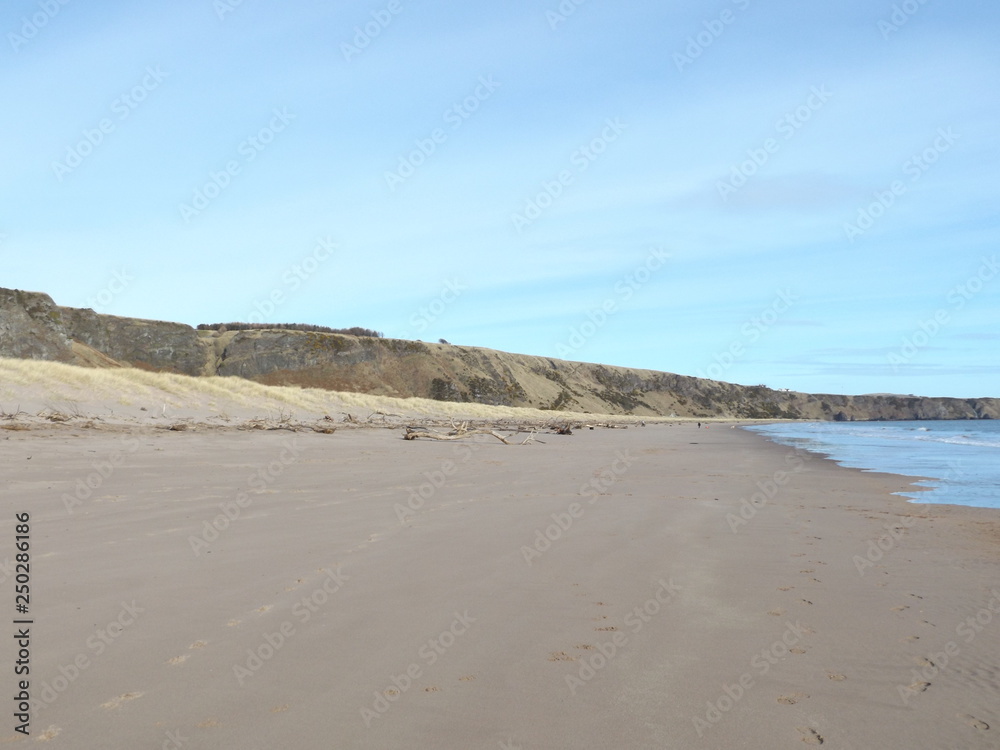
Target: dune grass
(55, 381)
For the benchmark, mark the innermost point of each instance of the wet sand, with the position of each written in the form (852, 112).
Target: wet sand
(224, 589)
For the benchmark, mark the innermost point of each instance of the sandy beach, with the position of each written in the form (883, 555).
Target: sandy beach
(653, 587)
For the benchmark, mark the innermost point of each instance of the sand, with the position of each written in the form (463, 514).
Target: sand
(605, 589)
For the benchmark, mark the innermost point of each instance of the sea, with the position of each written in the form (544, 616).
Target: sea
(960, 459)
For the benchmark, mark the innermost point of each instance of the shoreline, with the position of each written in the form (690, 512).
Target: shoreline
(934, 487)
(650, 587)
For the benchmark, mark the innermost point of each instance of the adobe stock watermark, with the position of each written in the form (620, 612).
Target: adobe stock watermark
(915, 168)
(884, 543)
(635, 621)
(957, 297)
(174, 740)
(427, 655)
(291, 280)
(117, 285)
(624, 289)
(455, 116)
(32, 25)
(562, 522)
(767, 491)
(303, 611)
(580, 160)
(786, 126)
(750, 333)
(103, 470)
(900, 16)
(224, 7)
(250, 148)
(761, 663)
(938, 661)
(878, 547)
(259, 481)
(436, 479)
(122, 106)
(558, 16)
(96, 644)
(423, 318)
(714, 28)
(370, 30)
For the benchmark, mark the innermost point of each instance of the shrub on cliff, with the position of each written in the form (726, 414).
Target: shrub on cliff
(223, 327)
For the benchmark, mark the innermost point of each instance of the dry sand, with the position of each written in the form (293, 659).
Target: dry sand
(329, 612)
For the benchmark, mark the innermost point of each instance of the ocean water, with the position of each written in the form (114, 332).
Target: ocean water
(960, 458)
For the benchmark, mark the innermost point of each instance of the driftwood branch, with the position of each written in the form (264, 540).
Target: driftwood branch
(413, 434)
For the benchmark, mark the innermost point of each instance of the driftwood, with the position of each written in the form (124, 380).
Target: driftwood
(413, 434)
(459, 432)
(285, 424)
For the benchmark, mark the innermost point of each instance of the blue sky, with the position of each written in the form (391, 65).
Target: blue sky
(796, 194)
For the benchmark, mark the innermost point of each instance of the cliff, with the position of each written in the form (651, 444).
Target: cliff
(32, 326)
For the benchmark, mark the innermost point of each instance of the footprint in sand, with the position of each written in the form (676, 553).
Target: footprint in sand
(606, 628)
(798, 554)
(178, 659)
(232, 623)
(973, 722)
(918, 687)
(432, 689)
(785, 588)
(123, 698)
(836, 676)
(791, 699)
(467, 678)
(899, 608)
(263, 609)
(810, 736)
(584, 647)
(279, 709)
(561, 656)
(49, 734)
(923, 662)
(805, 601)
(810, 570)
(198, 644)
(778, 612)
(208, 724)
(796, 650)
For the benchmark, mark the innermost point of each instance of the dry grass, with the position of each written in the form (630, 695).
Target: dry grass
(54, 382)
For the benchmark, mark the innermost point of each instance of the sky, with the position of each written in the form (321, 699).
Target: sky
(800, 195)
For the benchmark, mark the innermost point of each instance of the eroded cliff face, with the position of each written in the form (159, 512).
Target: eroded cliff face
(32, 326)
(146, 344)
